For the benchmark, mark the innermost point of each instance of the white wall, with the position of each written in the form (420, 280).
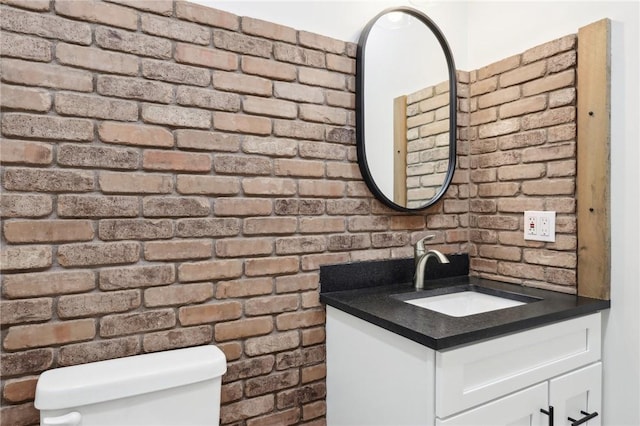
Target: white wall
(481, 32)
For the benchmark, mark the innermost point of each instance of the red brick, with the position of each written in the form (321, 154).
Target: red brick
(45, 25)
(211, 58)
(210, 227)
(549, 83)
(136, 43)
(549, 152)
(272, 147)
(267, 29)
(549, 187)
(97, 304)
(247, 408)
(25, 257)
(244, 247)
(312, 262)
(269, 107)
(271, 305)
(298, 55)
(313, 336)
(97, 206)
(271, 266)
(136, 277)
(343, 170)
(206, 15)
(316, 41)
(341, 64)
(178, 250)
(268, 68)
(48, 231)
(243, 328)
(19, 390)
(46, 127)
(550, 48)
(95, 254)
(40, 5)
(176, 161)
(97, 157)
(295, 320)
(26, 362)
(298, 130)
(177, 338)
(37, 284)
(317, 77)
(268, 186)
(25, 47)
(25, 311)
(321, 225)
(45, 75)
(298, 92)
(280, 418)
(175, 29)
(134, 134)
(25, 152)
(164, 206)
(176, 116)
(210, 99)
(135, 229)
(271, 344)
(23, 98)
(240, 83)
(242, 165)
(133, 88)
(323, 114)
(549, 118)
(209, 270)
(242, 43)
(163, 7)
(242, 207)
(348, 207)
(298, 168)
(122, 324)
(210, 312)
(298, 245)
(241, 123)
(183, 294)
(95, 107)
(56, 333)
(82, 353)
(246, 287)
(314, 410)
(19, 415)
(207, 141)
(50, 180)
(210, 185)
(99, 12)
(147, 183)
(296, 283)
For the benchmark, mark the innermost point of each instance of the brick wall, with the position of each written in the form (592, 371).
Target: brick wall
(522, 141)
(174, 175)
(427, 143)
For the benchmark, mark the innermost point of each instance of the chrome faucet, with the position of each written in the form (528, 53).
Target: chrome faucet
(421, 258)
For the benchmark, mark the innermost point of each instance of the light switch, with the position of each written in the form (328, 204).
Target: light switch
(540, 226)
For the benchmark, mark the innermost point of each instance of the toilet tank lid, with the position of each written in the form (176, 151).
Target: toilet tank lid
(102, 381)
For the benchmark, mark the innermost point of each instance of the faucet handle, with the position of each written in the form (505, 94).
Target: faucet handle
(420, 244)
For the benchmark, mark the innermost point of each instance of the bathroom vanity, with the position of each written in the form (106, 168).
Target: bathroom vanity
(390, 362)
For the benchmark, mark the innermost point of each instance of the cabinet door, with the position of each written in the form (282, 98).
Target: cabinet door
(518, 409)
(577, 393)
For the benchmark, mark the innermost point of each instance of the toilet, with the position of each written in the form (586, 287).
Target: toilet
(178, 387)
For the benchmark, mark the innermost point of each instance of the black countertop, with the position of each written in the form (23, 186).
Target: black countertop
(375, 292)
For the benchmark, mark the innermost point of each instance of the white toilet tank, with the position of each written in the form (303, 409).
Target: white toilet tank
(178, 388)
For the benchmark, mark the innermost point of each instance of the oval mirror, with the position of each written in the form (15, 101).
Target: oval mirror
(405, 109)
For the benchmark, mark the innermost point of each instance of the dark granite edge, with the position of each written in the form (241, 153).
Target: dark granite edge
(357, 275)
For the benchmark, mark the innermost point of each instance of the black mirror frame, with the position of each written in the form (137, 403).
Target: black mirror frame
(360, 113)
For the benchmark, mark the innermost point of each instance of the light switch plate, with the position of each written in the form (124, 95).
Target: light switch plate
(540, 226)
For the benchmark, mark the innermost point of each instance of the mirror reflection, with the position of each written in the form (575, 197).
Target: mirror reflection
(405, 93)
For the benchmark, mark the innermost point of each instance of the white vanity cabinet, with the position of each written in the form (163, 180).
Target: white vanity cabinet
(377, 377)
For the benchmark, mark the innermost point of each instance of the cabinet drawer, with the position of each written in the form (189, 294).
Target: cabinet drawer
(477, 373)
(518, 409)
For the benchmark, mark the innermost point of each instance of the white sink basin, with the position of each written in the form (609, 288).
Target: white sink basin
(464, 303)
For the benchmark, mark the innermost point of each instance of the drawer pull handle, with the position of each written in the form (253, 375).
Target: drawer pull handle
(585, 419)
(548, 413)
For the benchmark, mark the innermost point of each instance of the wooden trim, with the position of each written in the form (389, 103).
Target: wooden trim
(593, 161)
(400, 150)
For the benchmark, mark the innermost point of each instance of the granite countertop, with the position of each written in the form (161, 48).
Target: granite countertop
(375, 292)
